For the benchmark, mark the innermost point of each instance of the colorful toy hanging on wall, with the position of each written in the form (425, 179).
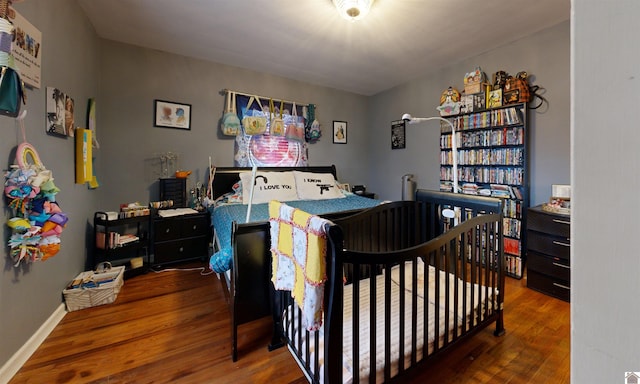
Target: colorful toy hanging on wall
(37, 220)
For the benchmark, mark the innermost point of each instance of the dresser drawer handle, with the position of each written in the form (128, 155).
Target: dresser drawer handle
(195, 227)
(561, 243)
(561, 221)
(561, 265)
(167, 230)
(562, 286)
(181, 249)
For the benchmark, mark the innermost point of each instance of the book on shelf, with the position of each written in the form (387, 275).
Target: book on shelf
(470, 188)
(101, 240)
(501, 191)
(127, 238)
(511, 246)
(514, 265)
(113, 240)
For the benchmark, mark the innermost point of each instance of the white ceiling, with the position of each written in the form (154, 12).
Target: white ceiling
(307, 40)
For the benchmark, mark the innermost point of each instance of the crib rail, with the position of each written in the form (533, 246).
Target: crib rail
(369, 230)
(387, 227)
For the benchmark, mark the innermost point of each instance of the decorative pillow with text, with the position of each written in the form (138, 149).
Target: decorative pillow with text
(269, 186)
(317, 186)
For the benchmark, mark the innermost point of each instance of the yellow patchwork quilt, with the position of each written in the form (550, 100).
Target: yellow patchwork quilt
(298, 250)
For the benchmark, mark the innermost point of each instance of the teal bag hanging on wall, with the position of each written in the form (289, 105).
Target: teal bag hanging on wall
(11, 92)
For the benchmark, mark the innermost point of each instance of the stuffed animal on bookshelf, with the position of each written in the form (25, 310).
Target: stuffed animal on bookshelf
(449, 102)
(499, 78)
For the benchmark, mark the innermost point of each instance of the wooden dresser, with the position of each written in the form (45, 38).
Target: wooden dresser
(548, 252)
(180, 238)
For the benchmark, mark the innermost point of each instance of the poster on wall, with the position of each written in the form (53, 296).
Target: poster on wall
(269, 151)
(26, 49)
(397, 134)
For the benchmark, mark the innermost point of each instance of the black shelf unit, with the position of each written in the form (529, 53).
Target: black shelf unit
(105, 249)
(174, 188)
(492, 146)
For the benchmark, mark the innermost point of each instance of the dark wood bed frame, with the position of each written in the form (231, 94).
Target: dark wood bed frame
(250, 289)
(391, 234)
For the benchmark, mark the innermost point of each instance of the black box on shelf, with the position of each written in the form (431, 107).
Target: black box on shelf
(173, 188)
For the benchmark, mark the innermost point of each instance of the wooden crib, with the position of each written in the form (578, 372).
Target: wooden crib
(444, 247)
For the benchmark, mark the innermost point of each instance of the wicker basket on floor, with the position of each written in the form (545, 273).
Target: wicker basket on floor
(80, 298)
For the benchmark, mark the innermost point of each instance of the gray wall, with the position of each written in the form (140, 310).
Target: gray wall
(131, 78)
(545, 56)
(605, 265)
(31, 293)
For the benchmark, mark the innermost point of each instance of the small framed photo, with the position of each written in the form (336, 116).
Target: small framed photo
(345, 187)
(168, 114)
(56, 101)
(397, 134)
(339, 132)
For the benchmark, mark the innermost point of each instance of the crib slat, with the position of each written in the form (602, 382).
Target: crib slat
(436, 307)
(401, 311)
(474, 279)
(487, 282)
(316, 360)
(387, 322)
(372, 321)
(465, 293)
(447, 256)
(414, 311)
(455, 263)
(355, 330)
(425, 295)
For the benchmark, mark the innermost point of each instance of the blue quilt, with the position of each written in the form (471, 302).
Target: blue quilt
(223, 216)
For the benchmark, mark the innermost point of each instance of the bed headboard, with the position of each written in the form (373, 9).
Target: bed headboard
(225, 177)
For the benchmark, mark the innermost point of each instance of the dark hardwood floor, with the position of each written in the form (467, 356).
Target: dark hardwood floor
(174, 327)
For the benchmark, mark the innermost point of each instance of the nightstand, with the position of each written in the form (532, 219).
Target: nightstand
(180, 238)
(369, 195)
(548, 250)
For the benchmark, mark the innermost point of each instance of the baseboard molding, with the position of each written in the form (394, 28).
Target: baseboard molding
(11, 367)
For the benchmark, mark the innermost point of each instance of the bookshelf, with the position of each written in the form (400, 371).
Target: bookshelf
(120, 240)
(492, 161)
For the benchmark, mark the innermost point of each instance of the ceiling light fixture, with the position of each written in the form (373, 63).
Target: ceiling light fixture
(353, 9)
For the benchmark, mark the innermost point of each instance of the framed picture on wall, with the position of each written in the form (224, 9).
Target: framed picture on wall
(397, 134)
(339, 132)
(172, 115)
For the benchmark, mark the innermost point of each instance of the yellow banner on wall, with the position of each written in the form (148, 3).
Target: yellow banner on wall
(84, 164)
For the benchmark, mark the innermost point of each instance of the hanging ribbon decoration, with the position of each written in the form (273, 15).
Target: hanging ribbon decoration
(38, 219)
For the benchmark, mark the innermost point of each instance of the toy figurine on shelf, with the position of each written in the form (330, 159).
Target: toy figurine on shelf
(197, 197)
(449, 102)
(474, 81)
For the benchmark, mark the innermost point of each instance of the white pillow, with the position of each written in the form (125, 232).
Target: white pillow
(269, 186)
(317, 186)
